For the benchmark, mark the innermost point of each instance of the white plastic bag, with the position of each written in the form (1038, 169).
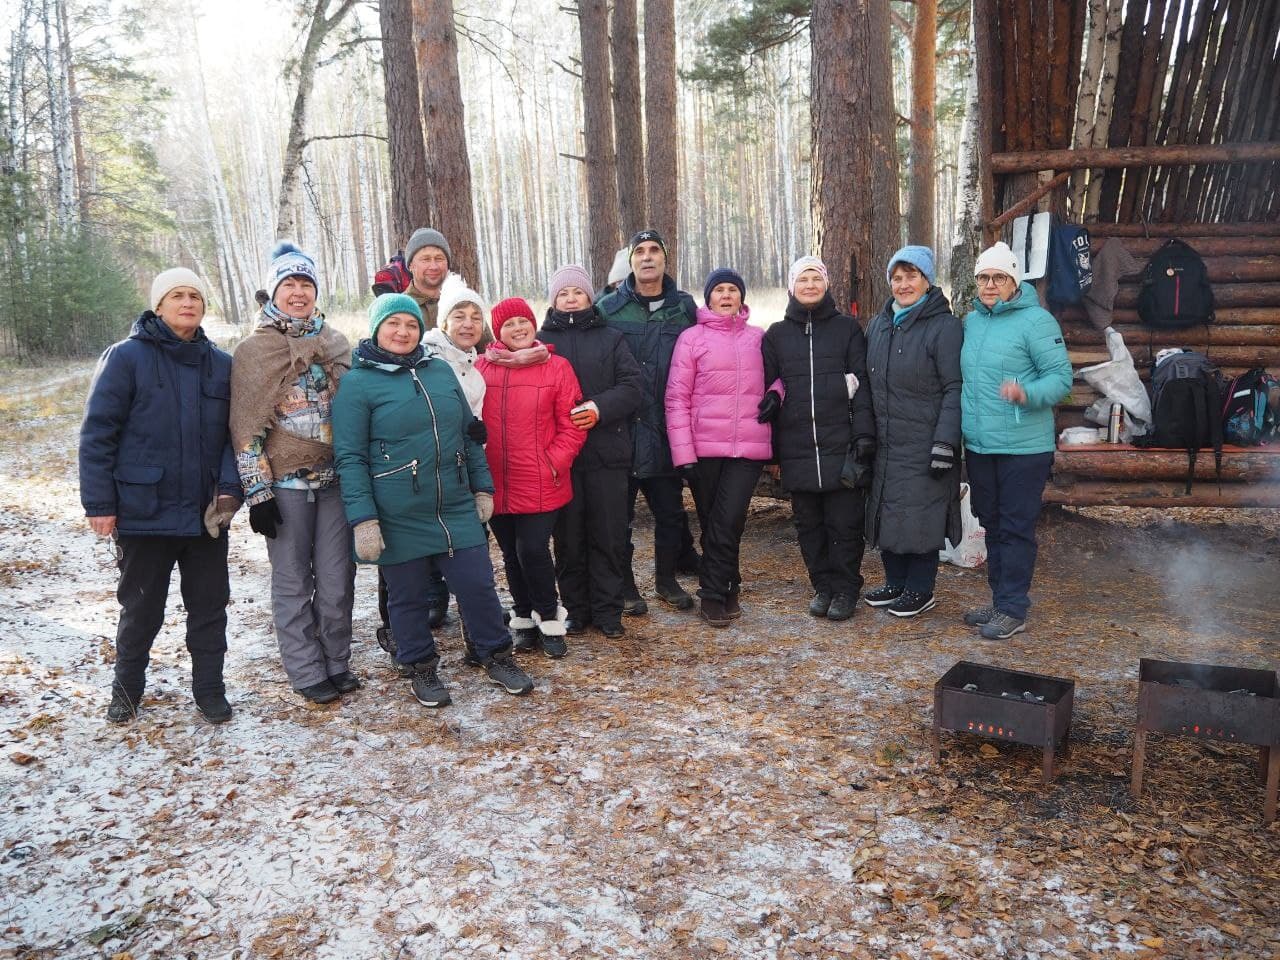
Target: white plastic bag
(971, 551)
(1117, 380)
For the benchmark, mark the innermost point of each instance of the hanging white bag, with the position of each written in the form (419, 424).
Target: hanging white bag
(971, 551)
(1117, 381)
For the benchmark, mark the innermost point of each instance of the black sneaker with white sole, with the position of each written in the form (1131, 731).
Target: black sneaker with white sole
(428, 689)
(883, 596)
(503, 671)
(911, 603)
(976, 618)
(1002, 626)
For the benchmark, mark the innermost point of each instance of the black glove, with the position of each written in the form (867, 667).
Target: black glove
(864, 449)
(264, 517)
(477, 431)
(942, 460)
(767, 410)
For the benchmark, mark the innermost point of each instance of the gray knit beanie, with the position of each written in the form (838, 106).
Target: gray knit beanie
(427, 237)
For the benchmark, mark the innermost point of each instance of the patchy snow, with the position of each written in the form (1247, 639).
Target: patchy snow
(761, 791)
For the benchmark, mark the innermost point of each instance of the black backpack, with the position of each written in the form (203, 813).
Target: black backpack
(1248, 417)
(1175, 289)
(1186, 409)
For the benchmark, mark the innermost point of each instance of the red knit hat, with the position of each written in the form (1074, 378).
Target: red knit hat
(505, 310)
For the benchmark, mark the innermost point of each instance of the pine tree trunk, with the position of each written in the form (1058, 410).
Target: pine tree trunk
(448, 165)
(412, 201)
(597, 109)
(662, 128)
(628, 122)
(855, 162)
(924, 62)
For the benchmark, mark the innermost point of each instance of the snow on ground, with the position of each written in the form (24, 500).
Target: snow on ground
(763, 791)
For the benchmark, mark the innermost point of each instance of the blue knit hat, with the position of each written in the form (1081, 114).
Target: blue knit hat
(919, 257)
(288, 260)
(390, 303)
(723, 275)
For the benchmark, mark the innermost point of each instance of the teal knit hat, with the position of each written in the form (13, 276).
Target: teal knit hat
(390, 303)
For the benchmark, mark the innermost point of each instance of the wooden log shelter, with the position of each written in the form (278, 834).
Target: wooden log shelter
(1163, 123)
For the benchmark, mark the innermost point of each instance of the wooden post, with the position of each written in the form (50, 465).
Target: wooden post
(1112, 157)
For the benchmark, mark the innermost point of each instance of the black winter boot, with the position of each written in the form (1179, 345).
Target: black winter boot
(843, 606)
(524, 634)
(428, 689)
(713, 612)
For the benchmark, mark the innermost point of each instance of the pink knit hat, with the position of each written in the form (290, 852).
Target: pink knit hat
(803, 264)
(570, 276)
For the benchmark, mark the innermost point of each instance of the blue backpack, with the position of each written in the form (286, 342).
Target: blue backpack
(1248, 417)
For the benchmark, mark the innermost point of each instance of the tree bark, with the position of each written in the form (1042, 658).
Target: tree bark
(603, 175)
(412, 198)
(72, 106)
(855, 161)
(318, 28)
(59, 130)
(448, 166)
(967, 234)
(662, 127)
(1106, 94)
(624, 44)
(923, 194)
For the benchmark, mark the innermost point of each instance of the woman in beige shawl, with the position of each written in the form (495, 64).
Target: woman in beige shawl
(283, 381)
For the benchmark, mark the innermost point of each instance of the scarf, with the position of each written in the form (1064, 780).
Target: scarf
(267, 364)
(368, 350)
(527, 357)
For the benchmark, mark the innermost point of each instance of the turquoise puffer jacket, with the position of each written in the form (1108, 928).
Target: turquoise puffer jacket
(1014, 340)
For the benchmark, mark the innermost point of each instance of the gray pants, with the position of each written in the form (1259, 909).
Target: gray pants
(312, 584)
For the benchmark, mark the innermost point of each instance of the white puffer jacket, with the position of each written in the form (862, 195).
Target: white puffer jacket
(463, 362)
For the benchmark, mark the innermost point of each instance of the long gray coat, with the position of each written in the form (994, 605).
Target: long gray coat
(914, 374)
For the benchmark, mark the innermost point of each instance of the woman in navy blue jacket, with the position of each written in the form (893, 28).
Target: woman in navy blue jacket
(158, 475)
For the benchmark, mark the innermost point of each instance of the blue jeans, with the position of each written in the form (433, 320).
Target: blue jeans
(1006, 491)
(409, 603)
(917, 572)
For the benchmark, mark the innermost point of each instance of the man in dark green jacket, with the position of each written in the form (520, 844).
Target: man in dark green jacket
(651, 313)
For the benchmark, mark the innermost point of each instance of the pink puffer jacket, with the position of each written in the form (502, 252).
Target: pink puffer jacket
(713, 390)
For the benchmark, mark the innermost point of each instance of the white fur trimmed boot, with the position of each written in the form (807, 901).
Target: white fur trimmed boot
(524, 634)
(553, 632)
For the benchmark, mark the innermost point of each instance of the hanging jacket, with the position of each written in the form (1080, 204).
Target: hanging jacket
(463, 362)
(607, 373)
(532, 442)
(714, 390)
(811, 350)
(1014, 340)
(404, 458)
(651, 335)
(155, 447)
(913, 374)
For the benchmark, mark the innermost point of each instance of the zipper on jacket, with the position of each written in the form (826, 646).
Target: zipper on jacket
(813, 401)
(435, 432)
(462, 468)
(506, 384)
(383, 445)
(1177, 293)
(412, 465)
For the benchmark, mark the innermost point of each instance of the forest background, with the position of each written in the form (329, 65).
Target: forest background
(135, 136)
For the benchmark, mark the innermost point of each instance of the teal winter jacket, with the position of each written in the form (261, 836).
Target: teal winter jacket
(404, 458)
(1014, 340)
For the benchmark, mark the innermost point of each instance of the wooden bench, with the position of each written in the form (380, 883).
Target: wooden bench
(1119, 474)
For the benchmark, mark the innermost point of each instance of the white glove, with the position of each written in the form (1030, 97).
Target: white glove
(851, 382)
(484, 505)
(369, 543)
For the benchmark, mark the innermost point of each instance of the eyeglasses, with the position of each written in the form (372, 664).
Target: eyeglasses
(993, 279)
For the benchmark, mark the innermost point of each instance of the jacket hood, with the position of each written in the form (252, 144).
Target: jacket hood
(1026, 298)
(578, 320)
(933, 302)
(149, 326)
(824, 309)
(715, 321)
(437, 342)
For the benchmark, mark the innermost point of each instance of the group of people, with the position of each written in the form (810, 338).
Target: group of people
(452, 420)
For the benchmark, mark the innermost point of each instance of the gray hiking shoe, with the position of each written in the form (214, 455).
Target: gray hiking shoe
(428, 689)
(976, 618)
(503, 671)
(1001, 627)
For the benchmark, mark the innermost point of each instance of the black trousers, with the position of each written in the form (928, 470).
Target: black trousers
(591, 546)
(146, 564)
(722, 488)
(671, 537)
(829, 527)
(525, 539)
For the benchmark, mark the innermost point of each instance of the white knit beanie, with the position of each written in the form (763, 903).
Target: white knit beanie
(454, 291)
(999, 257)
(170, 280)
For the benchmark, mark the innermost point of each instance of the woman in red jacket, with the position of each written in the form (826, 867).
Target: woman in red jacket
(529, 395)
